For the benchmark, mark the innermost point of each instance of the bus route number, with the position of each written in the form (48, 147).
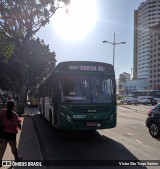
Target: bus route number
(79, 116)
(86, 68)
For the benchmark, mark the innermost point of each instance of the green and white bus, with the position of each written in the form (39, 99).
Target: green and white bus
(79, 95)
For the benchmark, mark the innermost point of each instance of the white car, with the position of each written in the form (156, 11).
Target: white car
(147, 100)
(129, 100)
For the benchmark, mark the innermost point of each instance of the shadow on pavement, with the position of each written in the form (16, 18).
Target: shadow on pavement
(68, 147)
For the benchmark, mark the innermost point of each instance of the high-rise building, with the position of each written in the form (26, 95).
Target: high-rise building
(154, 62)
(147, 16)
(135, 58)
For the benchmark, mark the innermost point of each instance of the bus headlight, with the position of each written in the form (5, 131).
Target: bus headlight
(62, 114)
(68, 117)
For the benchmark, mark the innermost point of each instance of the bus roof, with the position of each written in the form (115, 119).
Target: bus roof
(82, 66)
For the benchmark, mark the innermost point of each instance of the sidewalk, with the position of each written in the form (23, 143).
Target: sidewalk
(28, 145)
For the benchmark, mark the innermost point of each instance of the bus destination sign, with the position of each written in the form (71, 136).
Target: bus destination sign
(86, 68)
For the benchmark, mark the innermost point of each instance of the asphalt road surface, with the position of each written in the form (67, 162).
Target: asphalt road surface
(130, 140)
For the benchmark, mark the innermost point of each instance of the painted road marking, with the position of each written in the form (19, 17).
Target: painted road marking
(139, 141)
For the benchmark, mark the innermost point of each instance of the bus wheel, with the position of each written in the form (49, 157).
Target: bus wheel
(50, 116)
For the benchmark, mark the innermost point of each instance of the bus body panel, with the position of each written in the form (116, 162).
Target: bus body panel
(46, 107)
(86, 117)
(94, 125)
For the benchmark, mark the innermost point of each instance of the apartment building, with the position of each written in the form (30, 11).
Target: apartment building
(145, 17)
(154, 61)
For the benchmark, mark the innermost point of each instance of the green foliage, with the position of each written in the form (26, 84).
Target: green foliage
(119, 97)
(6, 50)
(9, 76)
(39, 62)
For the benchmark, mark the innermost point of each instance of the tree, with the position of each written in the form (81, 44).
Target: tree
(40, 61)
(19, 21)
(6, 48)
(9, 76)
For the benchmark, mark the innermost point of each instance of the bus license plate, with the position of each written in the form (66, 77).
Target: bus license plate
(89, 124)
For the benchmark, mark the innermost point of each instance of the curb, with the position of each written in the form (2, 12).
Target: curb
(27, 113)
(38, 144)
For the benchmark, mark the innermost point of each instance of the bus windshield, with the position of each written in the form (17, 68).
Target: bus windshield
(87, 89)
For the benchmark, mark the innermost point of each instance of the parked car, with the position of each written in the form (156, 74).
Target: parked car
(147, 100)
(129, 100)
(153, 121)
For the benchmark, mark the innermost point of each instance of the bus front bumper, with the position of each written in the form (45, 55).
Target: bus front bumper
(67, 124)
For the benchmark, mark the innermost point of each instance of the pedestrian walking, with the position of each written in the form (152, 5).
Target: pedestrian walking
(9, 128)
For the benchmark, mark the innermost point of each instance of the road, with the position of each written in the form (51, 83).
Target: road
(130, 140)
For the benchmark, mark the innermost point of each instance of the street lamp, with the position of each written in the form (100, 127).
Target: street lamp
(113, 43)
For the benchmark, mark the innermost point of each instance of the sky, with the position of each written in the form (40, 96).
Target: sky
(78, 35)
